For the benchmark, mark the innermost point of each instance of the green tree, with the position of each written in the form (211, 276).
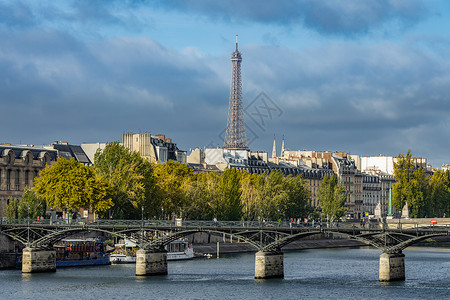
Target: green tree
(131, 180)
(403, 170)
(200, 193)
(30, 206)
(69, 185)
(417, 195)
(249, 195)
(332, 198)
(273, 197)
(229, 196)
(411, 186)
(438, 204)
(299, 197)
(12, 208)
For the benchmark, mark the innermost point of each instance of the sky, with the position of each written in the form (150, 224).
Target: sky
(365, 77)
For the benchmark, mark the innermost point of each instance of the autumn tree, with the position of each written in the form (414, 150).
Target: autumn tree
(172, 180)
(69, 185)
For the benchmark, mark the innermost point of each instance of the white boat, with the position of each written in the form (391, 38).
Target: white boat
(117, 259)
(177, 250)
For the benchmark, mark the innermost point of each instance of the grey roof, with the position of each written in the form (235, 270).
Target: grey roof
(68, 151)
(19, 151)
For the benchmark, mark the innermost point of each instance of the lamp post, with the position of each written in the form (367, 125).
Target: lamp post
(142, 225)
(28, 221)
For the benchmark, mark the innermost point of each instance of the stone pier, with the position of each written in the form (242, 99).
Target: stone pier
(269, 265)
(150, 262)
(392, 267)
(38, 260)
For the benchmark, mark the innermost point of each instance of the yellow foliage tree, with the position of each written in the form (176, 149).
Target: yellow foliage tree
(69, 185)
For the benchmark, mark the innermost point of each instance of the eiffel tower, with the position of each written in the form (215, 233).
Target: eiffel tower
(235, 137)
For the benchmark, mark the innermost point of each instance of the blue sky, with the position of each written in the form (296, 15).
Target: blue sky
(366, 77)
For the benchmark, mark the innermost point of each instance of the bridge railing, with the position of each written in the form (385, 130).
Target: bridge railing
(209, 224)
(159, 223)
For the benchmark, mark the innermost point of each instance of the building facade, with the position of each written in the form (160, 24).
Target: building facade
(18, 168)
(371, 193)
(156, 148)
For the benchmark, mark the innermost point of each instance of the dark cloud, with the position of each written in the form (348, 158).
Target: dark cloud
(344, 17)
(363, 98)
(382, 98)
(349, 17)
(68, 89)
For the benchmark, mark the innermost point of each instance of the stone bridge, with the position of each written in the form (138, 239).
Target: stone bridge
(268, 238)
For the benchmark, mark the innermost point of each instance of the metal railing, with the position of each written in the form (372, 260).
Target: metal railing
(212, 224)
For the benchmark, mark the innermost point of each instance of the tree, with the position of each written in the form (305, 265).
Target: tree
(172, 180)
(249, 196)
(332, 198)
(411, 186)
(272, 196)
(438, 204)
(69, 185)
(131, 180)
(30, 206)
(417, 195)
(299, 197)
(201, 195)
(229, 192)
(403, 170)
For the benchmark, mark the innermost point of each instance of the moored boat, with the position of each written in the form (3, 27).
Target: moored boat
(126, 253)
(77, 252)
(179, 250)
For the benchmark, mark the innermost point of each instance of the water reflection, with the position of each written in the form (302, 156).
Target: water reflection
(319, 273)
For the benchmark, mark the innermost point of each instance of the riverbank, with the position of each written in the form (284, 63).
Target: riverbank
(211, 248)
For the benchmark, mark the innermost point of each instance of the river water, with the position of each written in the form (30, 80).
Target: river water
(309, 274)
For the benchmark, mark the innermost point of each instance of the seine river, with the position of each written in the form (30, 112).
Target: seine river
(309, 274)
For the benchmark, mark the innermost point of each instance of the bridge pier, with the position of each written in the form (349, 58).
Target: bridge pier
(269, 265)
(392, 267)
(38, 260)
(151, 262)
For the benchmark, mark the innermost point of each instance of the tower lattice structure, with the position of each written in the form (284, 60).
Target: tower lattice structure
(235, 136)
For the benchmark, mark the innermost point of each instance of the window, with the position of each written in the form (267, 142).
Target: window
(8, 179)
(27, 174)
(17, 179)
